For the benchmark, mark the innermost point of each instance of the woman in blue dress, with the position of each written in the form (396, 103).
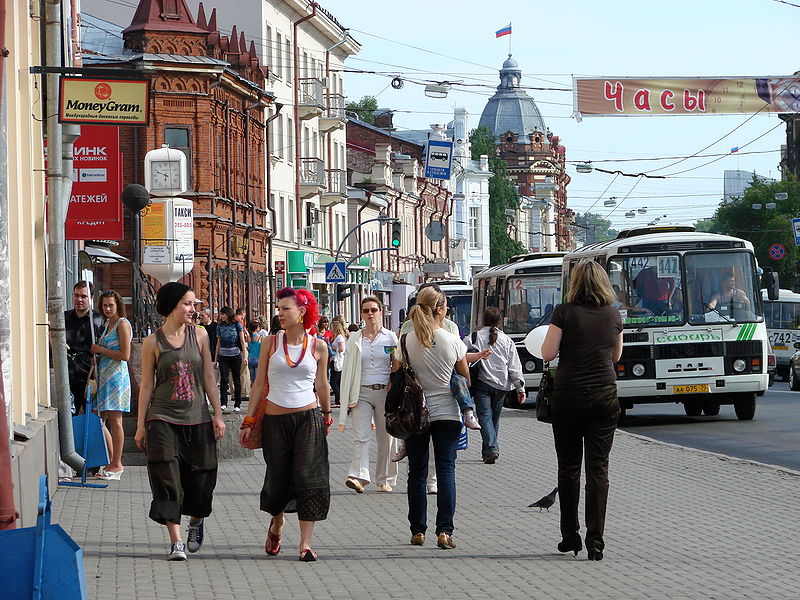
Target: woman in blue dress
(114, 383)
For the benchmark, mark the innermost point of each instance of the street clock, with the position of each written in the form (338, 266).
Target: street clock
(165, 172)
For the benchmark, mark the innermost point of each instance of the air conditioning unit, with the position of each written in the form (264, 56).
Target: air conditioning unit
(309, 234)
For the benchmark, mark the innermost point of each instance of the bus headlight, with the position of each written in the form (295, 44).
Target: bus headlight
(739, 365)
(530, 366)
(638, 369)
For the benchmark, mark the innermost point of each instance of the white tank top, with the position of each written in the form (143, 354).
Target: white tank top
(292, 387)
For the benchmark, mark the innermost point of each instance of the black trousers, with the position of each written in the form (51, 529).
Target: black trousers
(182, 467)
(230, 366)
(584, 418)
(335, 380)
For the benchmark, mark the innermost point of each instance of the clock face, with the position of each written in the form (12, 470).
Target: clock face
(165, 175)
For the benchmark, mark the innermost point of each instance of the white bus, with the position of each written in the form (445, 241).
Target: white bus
(525, 290)
(694, 330)
(783, 326)
(459, 302)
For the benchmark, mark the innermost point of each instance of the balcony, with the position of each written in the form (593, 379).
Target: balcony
(312, 177)
(334, 117)
(311, 98)
(336, 187)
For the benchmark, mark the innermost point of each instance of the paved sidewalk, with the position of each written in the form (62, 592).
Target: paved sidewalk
(682, 524)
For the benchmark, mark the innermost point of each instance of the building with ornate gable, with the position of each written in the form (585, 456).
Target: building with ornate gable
(536, 162)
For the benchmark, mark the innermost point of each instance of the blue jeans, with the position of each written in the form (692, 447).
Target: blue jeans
(445, 437)
(488, 405)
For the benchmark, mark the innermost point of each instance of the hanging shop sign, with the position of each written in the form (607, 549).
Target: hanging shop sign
(104, 101)
(626, 96)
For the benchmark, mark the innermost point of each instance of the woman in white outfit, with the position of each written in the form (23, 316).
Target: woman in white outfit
(368, 360)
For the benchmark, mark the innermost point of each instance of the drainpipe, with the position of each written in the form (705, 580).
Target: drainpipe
(328, 142)
(8, 514)
(296, 91)
(57, 181)
(449, 203)
(270, 208)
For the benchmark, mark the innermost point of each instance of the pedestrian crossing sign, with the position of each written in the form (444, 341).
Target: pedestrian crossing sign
(335, 272)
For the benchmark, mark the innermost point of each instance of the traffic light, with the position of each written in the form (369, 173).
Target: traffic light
(344, 291)
(396, 227)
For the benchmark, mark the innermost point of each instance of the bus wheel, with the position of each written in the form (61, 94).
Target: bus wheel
(710, 408)
(745, 407)
(693, 407)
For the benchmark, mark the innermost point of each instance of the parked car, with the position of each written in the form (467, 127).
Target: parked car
(794, 369)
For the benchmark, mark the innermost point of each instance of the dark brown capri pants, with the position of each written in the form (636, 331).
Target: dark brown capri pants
(296, 452)
(182, 467)
(584, 418)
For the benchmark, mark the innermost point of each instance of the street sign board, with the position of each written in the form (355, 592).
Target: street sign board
(431, 268)
(777, 251)
(435, 231)
(280, 267)
(335, 272)
(796, 229)
(438, 159)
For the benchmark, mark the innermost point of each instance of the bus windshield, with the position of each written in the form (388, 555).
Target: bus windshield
(528, 299)
(721, 287)
(780, 314)
(712, 287)
(459, 311)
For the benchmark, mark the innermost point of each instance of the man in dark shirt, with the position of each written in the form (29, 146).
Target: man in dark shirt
(211, 328)
(80, 340)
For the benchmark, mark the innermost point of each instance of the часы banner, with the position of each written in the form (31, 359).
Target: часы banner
(628, 96)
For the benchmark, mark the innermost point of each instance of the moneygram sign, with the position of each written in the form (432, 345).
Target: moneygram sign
(104, 101)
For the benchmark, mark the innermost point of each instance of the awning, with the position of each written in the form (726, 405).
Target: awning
(103, 255)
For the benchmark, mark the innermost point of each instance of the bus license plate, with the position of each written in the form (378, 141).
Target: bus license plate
(697, 388)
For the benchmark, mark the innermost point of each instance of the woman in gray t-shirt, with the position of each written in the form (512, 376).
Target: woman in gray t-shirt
(433, 353)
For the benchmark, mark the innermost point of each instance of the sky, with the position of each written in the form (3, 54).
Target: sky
(455, 41)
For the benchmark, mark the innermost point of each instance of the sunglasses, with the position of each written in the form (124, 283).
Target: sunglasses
(370, 310)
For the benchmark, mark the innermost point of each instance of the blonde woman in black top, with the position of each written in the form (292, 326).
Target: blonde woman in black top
(586, 334)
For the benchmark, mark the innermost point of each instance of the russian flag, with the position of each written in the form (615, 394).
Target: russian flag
(504, 31)
(734, 149)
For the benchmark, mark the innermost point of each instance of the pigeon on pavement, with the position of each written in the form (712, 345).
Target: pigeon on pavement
(545, 502)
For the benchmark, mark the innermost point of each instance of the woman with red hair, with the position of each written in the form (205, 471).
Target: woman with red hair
(292, 365)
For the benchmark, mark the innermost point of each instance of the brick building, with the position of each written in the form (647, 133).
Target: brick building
(208, 99)
(387, 174)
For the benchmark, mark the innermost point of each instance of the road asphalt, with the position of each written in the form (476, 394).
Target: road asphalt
(682, 524)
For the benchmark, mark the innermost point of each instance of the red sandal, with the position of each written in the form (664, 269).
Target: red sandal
(273, 544)
(308, 555)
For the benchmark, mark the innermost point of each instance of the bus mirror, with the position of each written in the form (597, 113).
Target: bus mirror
(770, 281)
(797, 345)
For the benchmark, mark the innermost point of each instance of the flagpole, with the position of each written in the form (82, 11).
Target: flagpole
(509, 39)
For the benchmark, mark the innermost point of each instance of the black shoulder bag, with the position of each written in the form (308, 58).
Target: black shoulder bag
(544, 397)
(474, 368)
(406, 409)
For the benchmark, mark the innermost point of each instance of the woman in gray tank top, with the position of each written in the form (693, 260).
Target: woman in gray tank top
(175, 427)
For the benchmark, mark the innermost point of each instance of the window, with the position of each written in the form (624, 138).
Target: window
(268, 48)
(289, 61)
(276, 217)
(277, 67)
(178, 138)
(721, 287)
(474, 225)
(292, 233)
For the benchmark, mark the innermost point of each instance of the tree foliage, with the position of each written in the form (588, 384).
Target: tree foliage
(502, 196)
(763, 227)
(594, 228)
(364, 108)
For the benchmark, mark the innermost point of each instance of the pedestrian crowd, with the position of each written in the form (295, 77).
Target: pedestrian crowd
(293, 370)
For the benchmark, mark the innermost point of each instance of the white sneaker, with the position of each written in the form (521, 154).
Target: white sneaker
(432, 488)
(236, 409)
(177, 551)
(470, 422)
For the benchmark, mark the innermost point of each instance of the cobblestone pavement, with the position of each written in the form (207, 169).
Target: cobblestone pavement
(681, 524)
